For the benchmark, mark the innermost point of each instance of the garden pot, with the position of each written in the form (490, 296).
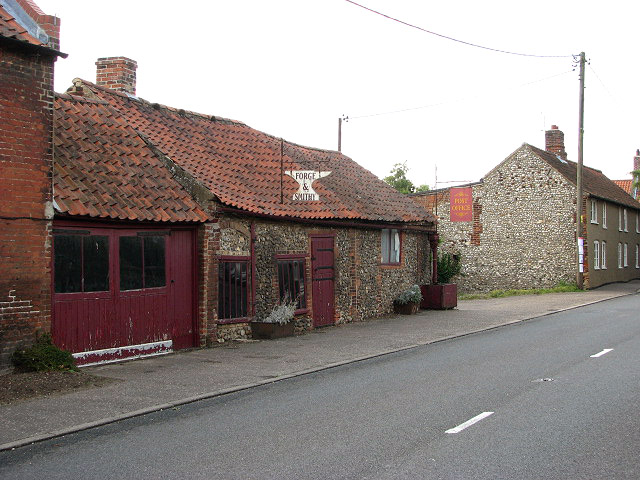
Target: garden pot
(407, 308)
(439, 296)
(271, 330)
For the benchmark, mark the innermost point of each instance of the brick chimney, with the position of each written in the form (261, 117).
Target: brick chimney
(636, 161)
(117, 73)
(554, 142)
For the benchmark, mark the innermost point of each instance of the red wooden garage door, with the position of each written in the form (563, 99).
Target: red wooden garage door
(117, 287)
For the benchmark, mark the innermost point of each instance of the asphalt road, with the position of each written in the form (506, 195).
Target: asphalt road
(544, 407)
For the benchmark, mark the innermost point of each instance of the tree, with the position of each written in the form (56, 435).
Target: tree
(635, 187)
(398, 180)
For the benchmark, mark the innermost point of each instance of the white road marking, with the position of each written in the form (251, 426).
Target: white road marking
(606, 350)
(468, 423)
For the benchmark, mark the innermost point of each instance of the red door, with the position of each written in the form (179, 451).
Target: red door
(183, 325)
(322, 280)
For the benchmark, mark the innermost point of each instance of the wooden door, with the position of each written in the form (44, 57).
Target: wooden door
(184, 325)
(323, 279)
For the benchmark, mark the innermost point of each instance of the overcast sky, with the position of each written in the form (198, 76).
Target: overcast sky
(291, 68)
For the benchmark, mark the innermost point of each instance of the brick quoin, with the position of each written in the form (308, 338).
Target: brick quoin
(26, 163)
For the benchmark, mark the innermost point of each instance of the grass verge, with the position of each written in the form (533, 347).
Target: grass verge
(560, 288)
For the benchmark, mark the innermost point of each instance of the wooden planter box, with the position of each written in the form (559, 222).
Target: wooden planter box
(406, 309)
(439, 296)
(271, 330)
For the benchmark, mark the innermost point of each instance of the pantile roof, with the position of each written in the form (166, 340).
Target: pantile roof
(626, 185)
(10, 28)
(594, 182)
(243, 167)
(104, 169)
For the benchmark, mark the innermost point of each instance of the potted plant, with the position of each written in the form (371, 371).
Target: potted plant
(279, 323)
(408, 302)
(444, 294)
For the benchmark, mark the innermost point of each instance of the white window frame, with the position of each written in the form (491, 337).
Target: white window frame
(619, 254)
(637, 257)
(624, 215)
(594, 211)
(626, 262)
(637, 222)
(619, 219)
(604, 214)
(596, 255)
(603, 255)
(390, 246)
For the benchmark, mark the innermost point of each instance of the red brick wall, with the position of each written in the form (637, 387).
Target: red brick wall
(26, 110)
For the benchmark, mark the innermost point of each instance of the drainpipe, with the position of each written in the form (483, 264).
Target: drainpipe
(252, 240)
(433, 241)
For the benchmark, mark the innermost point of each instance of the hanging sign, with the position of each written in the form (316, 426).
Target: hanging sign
(461, 201)
(305, 179)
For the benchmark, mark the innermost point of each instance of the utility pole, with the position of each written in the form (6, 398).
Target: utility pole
(346, 119)
(579, 211)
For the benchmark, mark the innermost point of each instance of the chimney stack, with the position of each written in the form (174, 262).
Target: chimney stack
(117, 73)
(636, 161)
(554, 142)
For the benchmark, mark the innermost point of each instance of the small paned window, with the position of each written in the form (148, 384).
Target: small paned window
(637, 222)
(619, 255)
(233, 289)
(390, 246)
(624, 219)
(637, 258)
(603, 255)
(596, 255)
(81, 263)
(620, 219)
(626, 262)
(604, 215)
(594, 211)
(142, 262)
(291, 281)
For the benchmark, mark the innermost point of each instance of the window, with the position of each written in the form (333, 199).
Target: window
(637, 258)
(291, 281)
(596, 255)
(604, 215)
(603, 255)
(233, 288)
(619, 219)
(594, 211)
(624, 218)
(626, 263)
(390, 246)
(142, 262)
(619, 255)
(81, 263)
(637, 222)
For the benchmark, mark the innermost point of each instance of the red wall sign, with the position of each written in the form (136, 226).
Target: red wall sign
(461, 200)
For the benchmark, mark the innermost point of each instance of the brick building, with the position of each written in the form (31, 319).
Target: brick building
(171, 229)
(522, 233)
(29, 42)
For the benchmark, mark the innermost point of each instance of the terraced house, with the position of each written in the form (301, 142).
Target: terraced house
(522, 229)
(171, 229)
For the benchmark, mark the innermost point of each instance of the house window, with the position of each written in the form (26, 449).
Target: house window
(390, 246)
(142, 262)
(233, 288)
(624, 218)
(81, 263)
(626, 263)
(637, 222)
(596, 255)
(619, 219)
(604, 215)
(603, 254)
(637, 258)
(619, 255)
(291, 281)
(594, 211)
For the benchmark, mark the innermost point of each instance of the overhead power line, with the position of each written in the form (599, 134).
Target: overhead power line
(454, 39)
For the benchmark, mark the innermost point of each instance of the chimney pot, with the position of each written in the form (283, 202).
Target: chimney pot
(554, 127)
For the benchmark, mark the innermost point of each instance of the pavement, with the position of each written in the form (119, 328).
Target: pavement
(157, 383)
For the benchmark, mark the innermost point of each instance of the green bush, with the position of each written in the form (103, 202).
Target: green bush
(448, 267)
(410, 295)
(43, 356)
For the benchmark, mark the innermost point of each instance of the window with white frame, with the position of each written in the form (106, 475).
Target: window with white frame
(603, 255)
(594, 211)
(624, 219)
(596, 255)
(604, 214)
(637, 222)
(626, 263)
(619, 255)
(619, 219)
(390, 246)
(637, 258)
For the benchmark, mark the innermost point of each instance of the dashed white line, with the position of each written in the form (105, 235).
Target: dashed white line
(599, 354)
(468, 423)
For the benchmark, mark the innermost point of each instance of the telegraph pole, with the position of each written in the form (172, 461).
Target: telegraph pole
(346, 119)
(579, 211)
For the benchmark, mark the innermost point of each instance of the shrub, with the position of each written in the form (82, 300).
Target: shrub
(410, 295)
(282, 313)
(448, 267)
(43, 356)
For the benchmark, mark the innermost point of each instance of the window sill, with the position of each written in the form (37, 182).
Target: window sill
(229, 321)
